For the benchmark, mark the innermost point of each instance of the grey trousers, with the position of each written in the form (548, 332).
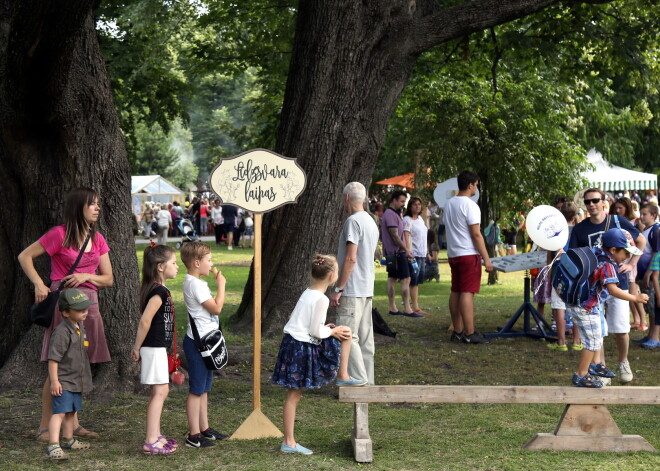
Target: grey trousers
(356, 314)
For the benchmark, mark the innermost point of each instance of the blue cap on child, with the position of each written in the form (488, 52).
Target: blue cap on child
(621, 239)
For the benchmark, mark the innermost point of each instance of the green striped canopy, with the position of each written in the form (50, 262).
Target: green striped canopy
(609, 177)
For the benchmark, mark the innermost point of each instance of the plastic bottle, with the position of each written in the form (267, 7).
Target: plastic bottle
(415, 267)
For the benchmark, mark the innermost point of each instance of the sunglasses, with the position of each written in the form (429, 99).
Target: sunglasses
(592, 201)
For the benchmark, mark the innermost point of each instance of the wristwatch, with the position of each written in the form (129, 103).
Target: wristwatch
(337, 290)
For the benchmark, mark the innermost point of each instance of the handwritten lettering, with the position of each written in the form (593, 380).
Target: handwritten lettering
(252, 174)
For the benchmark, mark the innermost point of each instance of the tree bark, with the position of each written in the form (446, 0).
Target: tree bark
(59, 130)
(350, 62)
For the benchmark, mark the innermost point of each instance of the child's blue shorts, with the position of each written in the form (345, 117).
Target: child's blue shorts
(67, 402)
(200, 378)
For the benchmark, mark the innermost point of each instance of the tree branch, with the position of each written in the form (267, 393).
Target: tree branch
(460, 20)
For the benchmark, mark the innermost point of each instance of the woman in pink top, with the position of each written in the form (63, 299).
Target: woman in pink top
(94, 271)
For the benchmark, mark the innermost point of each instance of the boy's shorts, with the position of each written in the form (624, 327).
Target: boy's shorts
(555, 300)
(397, 266)
(200, 378)
(617, 313)
(67, 402)
(153, 365)
(465, 273)
(590, 327)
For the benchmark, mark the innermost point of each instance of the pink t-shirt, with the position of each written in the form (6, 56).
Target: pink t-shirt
(62, 258)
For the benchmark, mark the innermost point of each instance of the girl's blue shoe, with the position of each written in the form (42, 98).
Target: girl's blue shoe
(284, 448)
(351, 382)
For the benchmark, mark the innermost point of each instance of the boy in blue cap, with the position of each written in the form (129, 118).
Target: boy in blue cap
(70, 374)
(617, 246)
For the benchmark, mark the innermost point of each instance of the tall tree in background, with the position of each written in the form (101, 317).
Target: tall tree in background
(350, 63)
(59, 130)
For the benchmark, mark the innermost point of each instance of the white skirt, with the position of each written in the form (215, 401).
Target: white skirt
(153, 365)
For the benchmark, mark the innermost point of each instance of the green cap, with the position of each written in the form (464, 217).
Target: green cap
(73, 298)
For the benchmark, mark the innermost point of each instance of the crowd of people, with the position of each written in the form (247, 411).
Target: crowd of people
(231, 226)
(314, 353)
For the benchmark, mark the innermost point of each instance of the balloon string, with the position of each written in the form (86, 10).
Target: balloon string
(544, 271)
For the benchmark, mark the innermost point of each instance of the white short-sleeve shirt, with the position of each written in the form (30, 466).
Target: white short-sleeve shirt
(460, 213)
(195, 293)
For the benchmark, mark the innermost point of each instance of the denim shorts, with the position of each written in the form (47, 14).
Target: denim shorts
(417, 278)
(67, 402)
(200, 378)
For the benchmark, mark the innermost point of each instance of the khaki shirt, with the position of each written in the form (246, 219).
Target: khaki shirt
(68, 347)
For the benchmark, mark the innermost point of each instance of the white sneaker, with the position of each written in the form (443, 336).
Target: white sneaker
(605, 381)
(230, 247)
(624, 372)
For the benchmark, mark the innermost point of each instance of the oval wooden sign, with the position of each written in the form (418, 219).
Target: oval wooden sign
(258, 180)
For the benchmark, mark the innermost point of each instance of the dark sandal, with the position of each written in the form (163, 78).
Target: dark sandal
(154, 449)
(586, 381)
(43, 435)
(82, 432)
(600, 369)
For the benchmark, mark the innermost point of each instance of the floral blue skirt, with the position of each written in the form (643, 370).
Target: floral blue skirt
(302, 365)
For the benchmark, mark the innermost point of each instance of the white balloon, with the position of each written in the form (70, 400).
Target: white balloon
(547, 227)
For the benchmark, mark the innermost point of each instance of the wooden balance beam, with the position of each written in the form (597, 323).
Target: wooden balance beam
(585, 425)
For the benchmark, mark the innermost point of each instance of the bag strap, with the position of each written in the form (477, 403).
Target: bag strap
(174, 326)
(193, 327)
(75, 264)
(607, 224)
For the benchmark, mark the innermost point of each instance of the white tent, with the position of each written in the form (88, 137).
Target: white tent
(153, 188)
(609, 177)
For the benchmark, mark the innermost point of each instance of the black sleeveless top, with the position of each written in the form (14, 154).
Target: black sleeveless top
(161, 331)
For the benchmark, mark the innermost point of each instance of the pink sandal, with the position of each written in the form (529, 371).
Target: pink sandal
(154, 449)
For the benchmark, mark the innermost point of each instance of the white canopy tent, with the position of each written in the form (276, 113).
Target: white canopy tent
(153, 188)
(611, 178)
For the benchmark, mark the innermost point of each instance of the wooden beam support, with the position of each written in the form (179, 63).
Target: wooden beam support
(585, 425)
(502, 394)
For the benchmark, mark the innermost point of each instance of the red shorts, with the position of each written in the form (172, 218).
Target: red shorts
(465, 273)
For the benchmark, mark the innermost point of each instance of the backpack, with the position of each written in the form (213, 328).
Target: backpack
(493, 235)
(380, 326)
(570, 275)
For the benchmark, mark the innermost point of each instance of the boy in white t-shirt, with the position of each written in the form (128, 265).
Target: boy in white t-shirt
(204, 309)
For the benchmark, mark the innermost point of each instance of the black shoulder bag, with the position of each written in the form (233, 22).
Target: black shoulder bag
(42, 313)
(212, 347)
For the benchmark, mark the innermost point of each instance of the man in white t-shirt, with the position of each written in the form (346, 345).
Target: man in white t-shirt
(354, 290)
(465, 250)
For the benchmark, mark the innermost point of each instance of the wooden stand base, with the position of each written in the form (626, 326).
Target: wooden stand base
(257, 425)
(587, 428)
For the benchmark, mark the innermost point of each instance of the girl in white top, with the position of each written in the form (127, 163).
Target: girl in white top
(312, 353)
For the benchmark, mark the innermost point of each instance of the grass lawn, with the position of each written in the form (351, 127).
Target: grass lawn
(405, 436)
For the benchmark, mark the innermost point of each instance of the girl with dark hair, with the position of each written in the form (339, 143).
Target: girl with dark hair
(312, 354)
(154, 336)
(63, 244)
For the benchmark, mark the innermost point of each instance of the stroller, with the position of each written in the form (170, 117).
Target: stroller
(187, 231)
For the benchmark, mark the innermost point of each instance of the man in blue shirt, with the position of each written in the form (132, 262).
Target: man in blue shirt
(588, 234)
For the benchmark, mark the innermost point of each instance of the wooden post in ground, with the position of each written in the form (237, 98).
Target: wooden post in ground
(258, 180)
(257, 425)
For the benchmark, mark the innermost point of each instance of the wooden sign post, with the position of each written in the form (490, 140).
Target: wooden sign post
(259, 181)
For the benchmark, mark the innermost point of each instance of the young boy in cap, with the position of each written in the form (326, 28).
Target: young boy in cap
(617, 246)
(69, 371)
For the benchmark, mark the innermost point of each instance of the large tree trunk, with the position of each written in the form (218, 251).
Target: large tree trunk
(59, 130)
(351, 60)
